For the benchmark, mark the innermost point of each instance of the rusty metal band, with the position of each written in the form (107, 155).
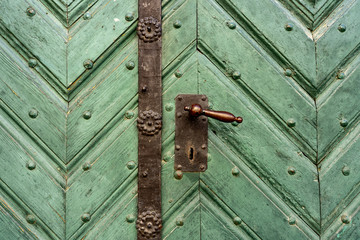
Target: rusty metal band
(149, 124)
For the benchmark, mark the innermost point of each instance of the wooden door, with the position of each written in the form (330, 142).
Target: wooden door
(68, 86)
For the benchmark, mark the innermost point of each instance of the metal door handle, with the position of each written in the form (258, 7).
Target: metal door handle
(196, 110)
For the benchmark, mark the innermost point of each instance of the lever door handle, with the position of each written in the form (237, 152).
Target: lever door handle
(196, 110)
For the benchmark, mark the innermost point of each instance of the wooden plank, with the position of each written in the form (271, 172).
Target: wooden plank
(22, 90)
(238, 52)
(272, 156)
(90, 38)
(42, 34)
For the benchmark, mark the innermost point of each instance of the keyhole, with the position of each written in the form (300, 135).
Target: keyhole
(191, 153)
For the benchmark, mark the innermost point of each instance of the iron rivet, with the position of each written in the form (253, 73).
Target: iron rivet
(235, 123)
(342, 28)
(292, 221)
(129, 114)
(144, 174)
(87, 115)
(345, 219)
(231, 24)
(179, 167)
(179, 115)
(346, 171)
(235, 171)
(88, 64)
(169, 107)
(180, 98)
(204, 119)
(177, 24)
(178, 74)
(203, 146)
(87, 16)
(291, 122)
(288, 72)
(144, 88)
(86, 166)
(236, 75)
(237, 220)
(209, 157)
(33, 113)
(178, 174)
(289, 27)
(177, 147)
(30, 11)
(31, 165)
(85, 217)
(344, 122)
(129, 17)
(130, 65)
(291, 170)
(32, 62)
(203, 98)
(130, 218)
(340, 75)
(179, 221)
(167, 157)
(202, 167)
(30, 219)
(131, 165)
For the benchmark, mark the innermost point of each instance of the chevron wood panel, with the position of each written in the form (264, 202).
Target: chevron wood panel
(68, 88)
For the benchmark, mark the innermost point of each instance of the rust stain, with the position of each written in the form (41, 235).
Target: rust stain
(57, 213)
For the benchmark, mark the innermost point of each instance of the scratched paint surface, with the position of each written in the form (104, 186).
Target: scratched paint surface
(68, 88)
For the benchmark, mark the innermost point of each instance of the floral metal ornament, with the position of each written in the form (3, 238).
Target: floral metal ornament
(149, 29)
(149, 122)
(149, 224)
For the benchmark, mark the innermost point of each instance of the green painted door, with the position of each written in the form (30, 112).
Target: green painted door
(68, 87)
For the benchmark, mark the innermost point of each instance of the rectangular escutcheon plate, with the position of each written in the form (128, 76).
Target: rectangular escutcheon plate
(191, 135)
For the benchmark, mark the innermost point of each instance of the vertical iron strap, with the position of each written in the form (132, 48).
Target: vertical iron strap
(149, 221)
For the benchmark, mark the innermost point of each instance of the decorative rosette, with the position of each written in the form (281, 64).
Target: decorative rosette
(149, 29)
(149, 224)
(149, 122)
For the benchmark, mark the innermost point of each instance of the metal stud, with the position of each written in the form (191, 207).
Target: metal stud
(345, 219)
(129, 114)
(235, 171)
(130, 65)
(344, 122)
(32, 62)
(144, 174)
(177, 24)
(289, 27)
(236, 75)
(179, 114)
(131, 165)
(179, 221)
(85, 217)
(345, 171)
(87, 115)
(292, 221)
(342, 28)
(178, 174)
(288, 72)
(291, 122)
(86, 166)
(177, 147)
(130, 218)
(144, 89)
(203, 146)
(30, 11)
(179, 167)
(30, 219)
(129, 17)
(178, 74)
(88, 64)
(237, 220)
(169, 107)
(87, 16)
(202, 167)
(31, 165)
(340, 75)
(231, 24)
(167, 157)
(291, 170)
(209, 157)
(33, 113)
